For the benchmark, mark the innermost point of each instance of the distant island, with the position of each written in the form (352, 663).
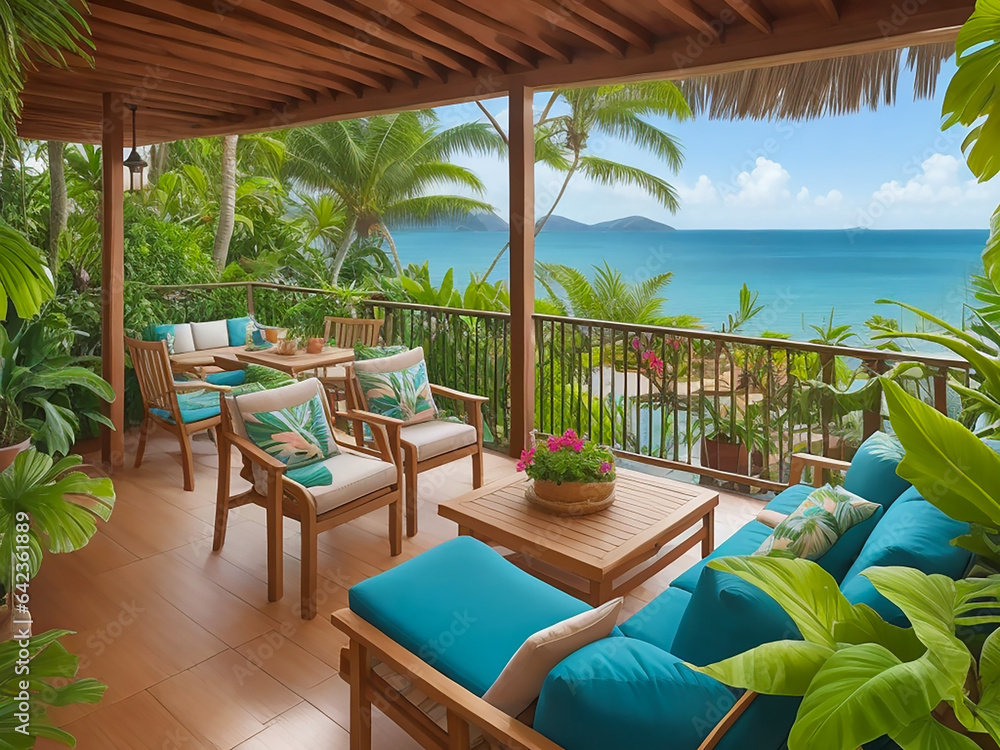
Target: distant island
(493, 223)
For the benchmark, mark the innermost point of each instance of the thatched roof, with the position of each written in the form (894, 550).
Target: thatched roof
(839, 85)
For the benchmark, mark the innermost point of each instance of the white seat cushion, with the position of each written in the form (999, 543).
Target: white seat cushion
(354, 476)
(438, 436)
(183, 338)
(213, 334)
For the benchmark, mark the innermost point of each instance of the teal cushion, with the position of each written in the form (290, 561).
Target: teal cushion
(657, 622)
(746, 541)
(789, 499)
(195, 406)
(227, 377)
(237, 328)
(727, 616)
(159, 332)
(462, 608)
(625, 693)
(873, 470)
(912, 534)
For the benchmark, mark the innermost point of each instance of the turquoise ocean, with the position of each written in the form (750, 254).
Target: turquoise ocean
(800, 274)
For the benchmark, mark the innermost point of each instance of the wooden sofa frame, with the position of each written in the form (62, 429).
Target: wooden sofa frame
(465, 709)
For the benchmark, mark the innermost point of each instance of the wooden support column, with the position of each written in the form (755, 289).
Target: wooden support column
(113, 277)
(522, 266)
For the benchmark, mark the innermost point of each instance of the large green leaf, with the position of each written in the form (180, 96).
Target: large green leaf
(24, 278)
(778, 668)
(862, 693)
(950, 467)
(926, 733)
(809, 594)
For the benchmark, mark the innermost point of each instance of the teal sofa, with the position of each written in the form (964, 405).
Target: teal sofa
(462, 609)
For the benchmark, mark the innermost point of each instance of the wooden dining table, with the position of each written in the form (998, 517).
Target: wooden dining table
(293, 364)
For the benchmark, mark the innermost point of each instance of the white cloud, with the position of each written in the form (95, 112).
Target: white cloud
(833, 199)
(803, 195)
(938, 183)
(703, 193)
(765, 185)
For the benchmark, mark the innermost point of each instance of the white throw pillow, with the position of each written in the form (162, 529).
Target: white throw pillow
(520, 682)
(212, 334)
(183, 338)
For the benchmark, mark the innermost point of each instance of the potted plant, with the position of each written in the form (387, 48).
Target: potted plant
(40, 384)
(571, 476)
(44, 505)
(733, 442)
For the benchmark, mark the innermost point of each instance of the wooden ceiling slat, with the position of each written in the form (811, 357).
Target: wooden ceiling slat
(559, 14)
(226, 77)
(251, 32)
(435, 30)
(829, 9)
(474, 17)
(156, 100)
(199, 53)
(693, 15)
(602, 15)
(380, 24)
(754, 12)
(349, 40)
(276, 57)
(471, 33)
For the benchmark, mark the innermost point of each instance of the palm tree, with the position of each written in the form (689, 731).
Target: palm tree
(31, 30)
(227, 202)
(383, 169)
(615, 112)
(608, 296)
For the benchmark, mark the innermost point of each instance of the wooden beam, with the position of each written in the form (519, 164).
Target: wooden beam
(693, 15)
(437, 31)
(246, 30)
(294, 60)
(830, 10)
(380, 23)
(754, 12)
(606, 17)
(559, 15)
(521, 136)
(113, 277)
(478, 19)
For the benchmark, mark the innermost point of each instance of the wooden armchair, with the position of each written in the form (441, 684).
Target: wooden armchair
(364, 479)
(182, 408)
(427, 445)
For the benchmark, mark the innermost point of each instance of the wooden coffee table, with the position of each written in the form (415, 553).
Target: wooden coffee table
(293, 364)
(597, 557)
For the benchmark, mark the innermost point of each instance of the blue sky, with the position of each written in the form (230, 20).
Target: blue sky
(889, 169)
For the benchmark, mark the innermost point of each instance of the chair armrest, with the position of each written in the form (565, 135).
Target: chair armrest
(367, 416)
(801, 460)
(200, 385)
(716, 735)
(256, 455)
(471, 398)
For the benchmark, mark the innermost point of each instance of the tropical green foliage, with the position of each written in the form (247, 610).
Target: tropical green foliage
(951, 467)
(63, 506)
(24, 278)
(609, 296)
(860, 677)
(51, 672)
(45, 390)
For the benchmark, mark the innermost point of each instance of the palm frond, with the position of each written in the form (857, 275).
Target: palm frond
(611, 173)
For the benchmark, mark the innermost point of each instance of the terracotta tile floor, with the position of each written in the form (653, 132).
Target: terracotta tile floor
(193, 653)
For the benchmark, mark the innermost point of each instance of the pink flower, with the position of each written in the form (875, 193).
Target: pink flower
(570, 435)
(527, 458)
(606, 467)
(554, 444)
(676, 344)
(635, 343)
(577, 445)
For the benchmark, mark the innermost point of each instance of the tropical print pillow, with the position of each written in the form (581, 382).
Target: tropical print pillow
(402, 394)
(816, 525)
(167, 336)
(296, 435)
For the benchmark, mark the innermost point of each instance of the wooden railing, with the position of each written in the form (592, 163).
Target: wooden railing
(682, 399)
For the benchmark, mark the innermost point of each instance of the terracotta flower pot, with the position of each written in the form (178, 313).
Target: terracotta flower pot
(315, 345)
(570, 498)
(730, 457)
(9, 453)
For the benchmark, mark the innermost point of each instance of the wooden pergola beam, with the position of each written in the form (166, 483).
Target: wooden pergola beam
(113, 277)
(829, 9)
(694, 16)
(754, 12)
(521, 149)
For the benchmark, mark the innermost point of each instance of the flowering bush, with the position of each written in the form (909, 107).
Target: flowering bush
(568, 458)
